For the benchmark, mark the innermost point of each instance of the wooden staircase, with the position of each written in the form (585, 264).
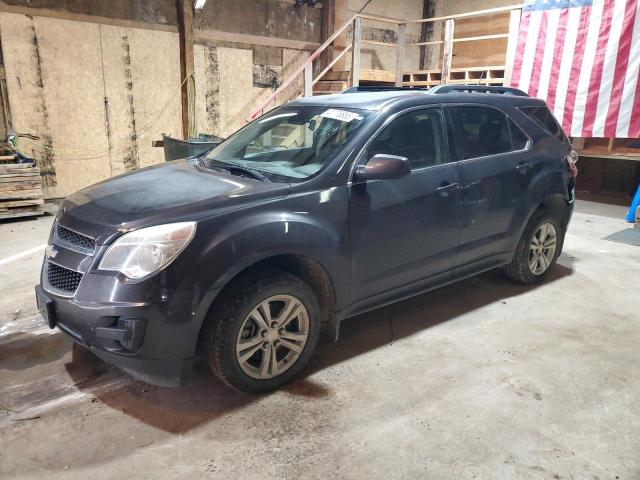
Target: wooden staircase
(331, 80)
(334, 81)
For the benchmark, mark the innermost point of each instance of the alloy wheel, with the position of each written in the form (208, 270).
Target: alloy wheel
(543, 248)
(272, 337)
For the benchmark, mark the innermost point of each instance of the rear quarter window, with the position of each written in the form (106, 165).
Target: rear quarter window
(545, 119)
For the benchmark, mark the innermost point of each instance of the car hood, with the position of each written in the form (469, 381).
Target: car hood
(170, 192)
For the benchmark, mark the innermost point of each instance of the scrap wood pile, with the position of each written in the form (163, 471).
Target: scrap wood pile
(20, 189)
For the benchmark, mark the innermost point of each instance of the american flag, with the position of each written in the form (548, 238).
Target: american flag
(583, 58)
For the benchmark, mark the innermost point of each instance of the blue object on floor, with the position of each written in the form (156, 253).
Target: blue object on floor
(631, 214)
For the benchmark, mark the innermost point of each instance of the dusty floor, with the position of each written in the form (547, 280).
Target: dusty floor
(483, 379)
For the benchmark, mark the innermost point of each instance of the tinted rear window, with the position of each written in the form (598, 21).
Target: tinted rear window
(485, 131)
(543, 117)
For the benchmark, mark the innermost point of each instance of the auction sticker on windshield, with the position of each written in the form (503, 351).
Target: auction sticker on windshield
(342, 115)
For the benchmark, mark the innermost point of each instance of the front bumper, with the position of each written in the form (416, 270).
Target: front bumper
(141, 339)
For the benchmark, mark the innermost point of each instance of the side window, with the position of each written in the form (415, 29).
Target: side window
(419, 135)
(543, 117)
(483, 131)
(518, 139)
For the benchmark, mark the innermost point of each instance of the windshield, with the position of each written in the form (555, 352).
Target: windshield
(293, 142)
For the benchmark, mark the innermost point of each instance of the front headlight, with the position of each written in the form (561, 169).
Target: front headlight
(140, 253)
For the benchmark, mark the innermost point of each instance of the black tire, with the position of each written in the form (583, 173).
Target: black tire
(223, 328)
(519, 269)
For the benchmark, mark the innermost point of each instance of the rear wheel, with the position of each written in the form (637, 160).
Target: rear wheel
(537, 250)
(265, 333)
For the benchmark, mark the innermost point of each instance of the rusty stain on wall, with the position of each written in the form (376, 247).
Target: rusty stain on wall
(212, 100)
(46, 161)
(385, 35)
(131, 155)
(267, 76)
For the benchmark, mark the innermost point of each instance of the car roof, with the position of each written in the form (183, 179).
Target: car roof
(377, 100)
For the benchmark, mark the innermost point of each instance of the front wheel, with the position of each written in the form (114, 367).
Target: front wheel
(265, 333)
(537, 250)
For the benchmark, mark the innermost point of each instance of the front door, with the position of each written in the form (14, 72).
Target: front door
(404, 232)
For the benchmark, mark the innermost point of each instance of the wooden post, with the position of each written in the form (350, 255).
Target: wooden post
(447, 52)
(334, 14)
(512, 42)
(308, 80)
(402, 30)
(185, 33)
(328, 27)
(578, 143)
(355, 52)
(426, 32)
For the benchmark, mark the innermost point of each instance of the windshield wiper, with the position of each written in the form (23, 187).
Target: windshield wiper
(240, 170)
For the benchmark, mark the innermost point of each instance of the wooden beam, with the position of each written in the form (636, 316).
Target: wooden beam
(447, 54)
(376, 18)
(423, 44)
(481, 37)
(355, 52)
(476, 13)
(197, 34)
(185, 32)
(327, 27)
(379, 44)
(512, 42)
(80, 17)
(377, 75)
(426, 32)
(334, 14)
(217, 35)
(402, 31)
(308, 80)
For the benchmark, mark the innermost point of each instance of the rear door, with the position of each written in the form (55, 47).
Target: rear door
(404, 232)
(496, 171)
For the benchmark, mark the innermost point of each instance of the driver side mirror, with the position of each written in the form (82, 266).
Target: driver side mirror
(383, 167)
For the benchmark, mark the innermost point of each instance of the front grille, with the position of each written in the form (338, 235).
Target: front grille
(62, 279)
(73, 240)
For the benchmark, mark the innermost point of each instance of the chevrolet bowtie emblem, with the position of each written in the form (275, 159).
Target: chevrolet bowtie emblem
(51, 252)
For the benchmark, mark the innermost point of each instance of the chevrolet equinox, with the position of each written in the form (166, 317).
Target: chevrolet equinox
(324, 208)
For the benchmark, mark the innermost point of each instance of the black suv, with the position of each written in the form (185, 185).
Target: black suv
(322, 209)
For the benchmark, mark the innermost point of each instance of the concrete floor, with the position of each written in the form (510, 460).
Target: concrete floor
(482, 379)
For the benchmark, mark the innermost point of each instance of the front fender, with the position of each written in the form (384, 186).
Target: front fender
(258, 236)
(229, 244)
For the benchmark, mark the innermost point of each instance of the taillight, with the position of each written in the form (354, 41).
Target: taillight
(572, 160)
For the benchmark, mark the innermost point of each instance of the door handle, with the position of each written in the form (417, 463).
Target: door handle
(523, 167)
(446, 188)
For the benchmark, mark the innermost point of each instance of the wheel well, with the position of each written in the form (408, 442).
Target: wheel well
(303, 267)
(555, 206)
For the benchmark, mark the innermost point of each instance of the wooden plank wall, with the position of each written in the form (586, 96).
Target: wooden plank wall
(88, 92)
(96, 94)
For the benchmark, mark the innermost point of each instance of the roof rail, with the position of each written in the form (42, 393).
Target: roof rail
(477, 88)
(381, 88)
